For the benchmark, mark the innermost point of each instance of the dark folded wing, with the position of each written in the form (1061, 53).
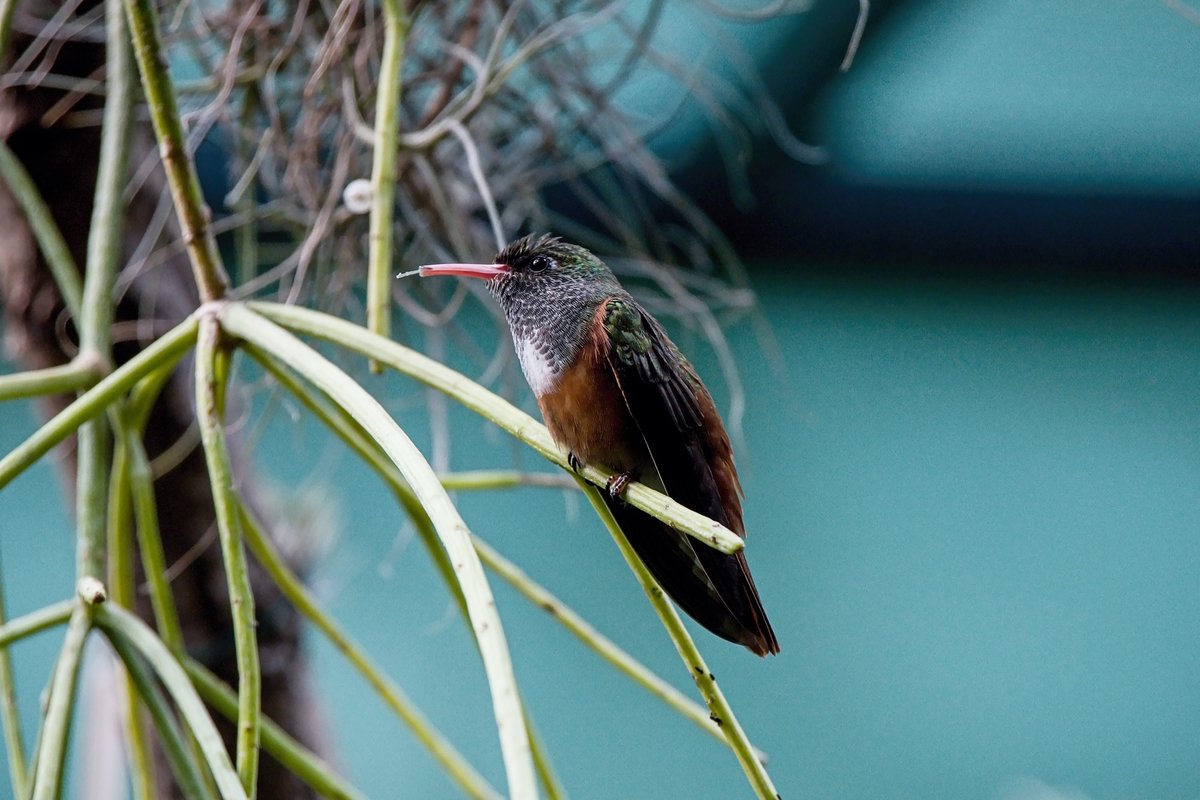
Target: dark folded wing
(672, 413)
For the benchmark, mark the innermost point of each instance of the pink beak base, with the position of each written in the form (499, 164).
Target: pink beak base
(484, 271)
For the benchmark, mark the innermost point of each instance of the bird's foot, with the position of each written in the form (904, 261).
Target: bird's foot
(617, 484)
(574, 462)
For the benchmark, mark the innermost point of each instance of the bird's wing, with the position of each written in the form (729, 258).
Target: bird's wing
(691, 453)
(665, 400)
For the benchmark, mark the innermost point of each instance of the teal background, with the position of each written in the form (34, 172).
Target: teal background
(972, 506)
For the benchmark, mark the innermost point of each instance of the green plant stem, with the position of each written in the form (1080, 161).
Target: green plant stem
(154, 562)
(56, 722)
(350, 432)
(494, 408)
(121, 586)
(477, 480)
(456, 766)
(51, 380)
(145, 512)
(597, 642)
(91, 497)
(108, 207)
(96, 314)
(162, 354)
(188, 776)
(383, 169)
(454, 533)
(35, 622)
(305, 764)
(207, 269)
(210, 407)
(45, 229)
(714, 698)
(15, 744)
(118, 623)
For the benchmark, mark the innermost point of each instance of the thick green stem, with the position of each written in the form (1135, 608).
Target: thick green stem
(188, 776)
(714, 698)
(45, 229)
(454, 533)
(305, 764)
(498, 410)
(52, 380)
(350, 432)
(162, 354)
(95, 322)
(456, 766)
(383, 169)
(15, 745)
(181, 172)
(35, 622)
(91, 498)
(56, 723)
(210, 411)
(119, 623)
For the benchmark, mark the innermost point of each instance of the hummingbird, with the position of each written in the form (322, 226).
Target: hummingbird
(613, 389)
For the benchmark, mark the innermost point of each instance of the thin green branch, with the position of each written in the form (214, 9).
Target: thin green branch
(477, 480)
(121, 583)
(211, 374)
(79, 374)
(45, 229)
(714, 698)
(383, 169)
(56, 722)
(154, 562)
(118, 623)
(15, 744)
(305, 764)
(207, 269)
(494, 408)
(454, 533)
(596, 641)
(162, 354)
(108, 207)
(456, 766)
(35, 622)
(188, 776)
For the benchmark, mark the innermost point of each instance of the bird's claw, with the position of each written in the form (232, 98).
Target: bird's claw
(617, 484)
(574, 462)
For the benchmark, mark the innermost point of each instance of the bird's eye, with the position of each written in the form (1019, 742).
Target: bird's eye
(541, 264)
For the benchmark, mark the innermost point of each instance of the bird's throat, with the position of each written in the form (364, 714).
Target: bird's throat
(537, 362)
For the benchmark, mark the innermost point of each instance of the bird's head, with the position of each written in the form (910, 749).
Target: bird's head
(550, 291)
(538, 279)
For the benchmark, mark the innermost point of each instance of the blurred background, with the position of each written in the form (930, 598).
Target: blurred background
(971, 441)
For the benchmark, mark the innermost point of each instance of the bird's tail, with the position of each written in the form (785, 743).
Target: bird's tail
(713, 588)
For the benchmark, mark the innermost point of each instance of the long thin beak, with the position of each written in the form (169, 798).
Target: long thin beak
(484, 271)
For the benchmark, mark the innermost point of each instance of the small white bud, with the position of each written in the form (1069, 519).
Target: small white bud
(91, 590)
(357, 196)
